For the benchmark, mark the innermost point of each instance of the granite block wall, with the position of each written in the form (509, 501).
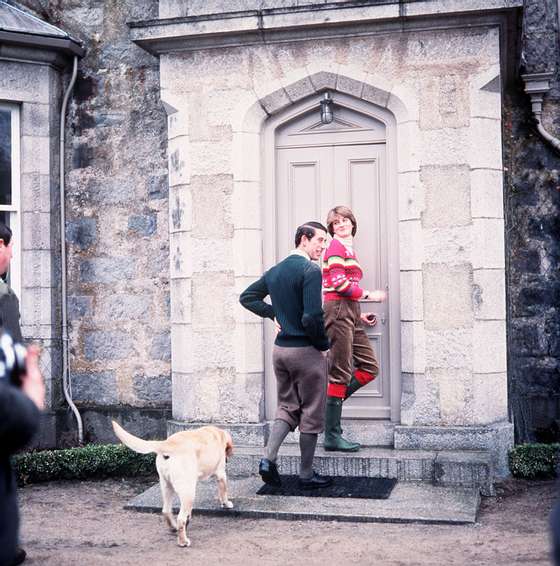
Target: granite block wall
(532, 207)
(117, 233)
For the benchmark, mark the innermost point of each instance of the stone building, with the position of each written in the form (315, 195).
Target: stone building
(195, 145)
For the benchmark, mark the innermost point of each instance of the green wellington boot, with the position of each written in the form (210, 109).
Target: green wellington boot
(333, 437)
(353, 386)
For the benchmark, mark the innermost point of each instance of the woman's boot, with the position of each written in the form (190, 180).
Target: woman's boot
(333, 436)
(359, 379)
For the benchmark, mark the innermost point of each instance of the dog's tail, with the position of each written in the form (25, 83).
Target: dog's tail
(137, 444)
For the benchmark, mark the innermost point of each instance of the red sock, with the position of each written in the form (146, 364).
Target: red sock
(363, 377)
(336, 390)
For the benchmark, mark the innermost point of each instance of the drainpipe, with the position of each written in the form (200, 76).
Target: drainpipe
(536, 86)
(66, 385)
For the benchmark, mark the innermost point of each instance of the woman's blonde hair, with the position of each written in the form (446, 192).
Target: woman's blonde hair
(343, 211)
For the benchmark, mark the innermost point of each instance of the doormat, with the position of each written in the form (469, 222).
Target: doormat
(342, 486)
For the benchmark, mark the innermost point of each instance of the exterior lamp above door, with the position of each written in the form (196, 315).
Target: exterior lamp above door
(326, 109)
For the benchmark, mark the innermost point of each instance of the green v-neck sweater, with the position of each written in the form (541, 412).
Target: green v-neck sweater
(294, 287)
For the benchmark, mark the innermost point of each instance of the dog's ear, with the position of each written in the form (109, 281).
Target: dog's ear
(229, 444)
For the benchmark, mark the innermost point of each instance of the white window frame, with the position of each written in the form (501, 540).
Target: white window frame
(14, 209)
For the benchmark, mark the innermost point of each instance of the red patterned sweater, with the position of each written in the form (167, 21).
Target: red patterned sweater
(341, 273)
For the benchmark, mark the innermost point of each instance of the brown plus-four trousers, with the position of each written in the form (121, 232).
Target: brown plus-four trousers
(301, 377)
(350, 347)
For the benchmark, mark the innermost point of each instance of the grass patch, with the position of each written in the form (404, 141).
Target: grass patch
(534, 461)
(92, 461)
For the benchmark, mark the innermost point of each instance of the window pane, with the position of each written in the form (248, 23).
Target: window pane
(5, 157)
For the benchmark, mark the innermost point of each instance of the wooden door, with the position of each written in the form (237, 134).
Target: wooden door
(318, 168)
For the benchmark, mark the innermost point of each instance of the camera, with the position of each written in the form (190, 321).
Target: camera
(12, 360)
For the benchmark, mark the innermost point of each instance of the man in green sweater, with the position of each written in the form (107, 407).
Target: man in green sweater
(300, 350)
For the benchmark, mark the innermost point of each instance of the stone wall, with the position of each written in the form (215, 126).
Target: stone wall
(532, 197)
(117, 225)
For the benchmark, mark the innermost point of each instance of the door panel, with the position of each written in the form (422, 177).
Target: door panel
(304, 174)
(309, 182)
(359, 171)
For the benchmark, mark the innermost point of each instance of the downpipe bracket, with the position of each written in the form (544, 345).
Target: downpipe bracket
(536, 86)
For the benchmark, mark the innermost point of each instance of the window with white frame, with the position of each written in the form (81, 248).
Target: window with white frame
(10, 185)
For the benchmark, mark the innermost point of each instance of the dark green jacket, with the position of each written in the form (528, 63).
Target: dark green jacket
(294, 287)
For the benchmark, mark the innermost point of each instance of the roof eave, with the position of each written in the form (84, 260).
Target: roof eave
(67, 46)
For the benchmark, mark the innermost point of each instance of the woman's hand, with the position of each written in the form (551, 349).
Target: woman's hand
(368, 318)
(277, 326)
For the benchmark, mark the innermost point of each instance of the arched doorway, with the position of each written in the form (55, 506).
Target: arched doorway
(311, 167)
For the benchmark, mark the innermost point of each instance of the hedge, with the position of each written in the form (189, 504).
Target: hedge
(531, 461)
(92, 461)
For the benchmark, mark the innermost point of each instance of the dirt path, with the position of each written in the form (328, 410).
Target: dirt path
(67, 523)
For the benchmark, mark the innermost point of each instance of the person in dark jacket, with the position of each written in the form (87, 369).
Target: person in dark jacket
(19, 412)
(300, 350)
(9, 303)
(19, 419)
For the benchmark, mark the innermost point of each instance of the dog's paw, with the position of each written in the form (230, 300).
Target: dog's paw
(227, 504)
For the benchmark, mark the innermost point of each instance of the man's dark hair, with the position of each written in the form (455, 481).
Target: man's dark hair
(308, 230)
(5, 233)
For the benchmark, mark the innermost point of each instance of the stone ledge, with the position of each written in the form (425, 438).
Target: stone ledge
(494, 438)
(409, 502)
(232, 29)
(468, 469)
(367, 432)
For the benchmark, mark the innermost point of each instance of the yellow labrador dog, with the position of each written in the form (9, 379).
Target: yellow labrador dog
(183, 459)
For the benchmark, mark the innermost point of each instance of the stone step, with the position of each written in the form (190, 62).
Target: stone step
(369, 433)
(408, 502)
(471, 469)
(467, 468)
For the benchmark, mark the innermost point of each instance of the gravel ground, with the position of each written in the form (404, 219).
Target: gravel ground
(67, 523)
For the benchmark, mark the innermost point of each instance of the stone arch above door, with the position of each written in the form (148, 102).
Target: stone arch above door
(302, 83)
